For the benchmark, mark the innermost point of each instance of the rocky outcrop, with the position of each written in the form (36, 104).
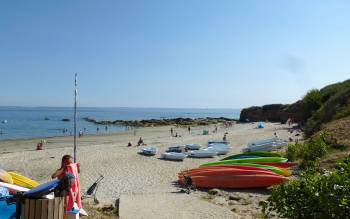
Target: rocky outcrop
(272, 113)
(161, 122)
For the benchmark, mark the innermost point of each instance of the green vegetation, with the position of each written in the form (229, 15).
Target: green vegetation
(310, 152)
(325, 195)
(321, 106)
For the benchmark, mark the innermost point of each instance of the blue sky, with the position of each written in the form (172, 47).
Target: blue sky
(183, 53)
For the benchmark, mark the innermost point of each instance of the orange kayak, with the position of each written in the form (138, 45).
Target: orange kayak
(222, 172)
(280, 165)
(186, 172)
(238, 181)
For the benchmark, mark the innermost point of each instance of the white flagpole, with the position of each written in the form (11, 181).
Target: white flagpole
(75, 119)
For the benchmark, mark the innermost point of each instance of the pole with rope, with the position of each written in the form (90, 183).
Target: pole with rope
(75, 119)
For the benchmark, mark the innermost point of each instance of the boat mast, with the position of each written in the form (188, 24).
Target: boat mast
(75, 119)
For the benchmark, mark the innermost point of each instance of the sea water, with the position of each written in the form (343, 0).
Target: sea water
(37, 122)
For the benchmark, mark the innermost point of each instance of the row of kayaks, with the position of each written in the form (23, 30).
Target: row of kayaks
(246, 170)
(179, 153)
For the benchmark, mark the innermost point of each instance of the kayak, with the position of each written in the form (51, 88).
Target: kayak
(280, 165)
(237, 181)
(227, 166)
(43, 189)
(5, 177)
(13, 188)
(280, 171)
(249, 160)
(23, 181)
(223, 172)
(252, 154)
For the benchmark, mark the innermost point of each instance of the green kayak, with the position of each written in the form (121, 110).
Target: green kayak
(250, 160)
(279, 171)
(252, 154)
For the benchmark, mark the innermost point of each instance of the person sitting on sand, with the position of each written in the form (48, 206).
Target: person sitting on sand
(129, 144)
(140, 142)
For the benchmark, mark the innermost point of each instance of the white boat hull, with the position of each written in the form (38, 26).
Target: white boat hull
(173, 156)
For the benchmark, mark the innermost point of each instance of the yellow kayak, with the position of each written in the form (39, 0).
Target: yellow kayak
(5, 177)
(23, 181)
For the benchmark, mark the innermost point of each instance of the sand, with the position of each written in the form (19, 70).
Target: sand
(145, 185)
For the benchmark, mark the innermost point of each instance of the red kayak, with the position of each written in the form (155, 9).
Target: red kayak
(280, 165)
(215, 172)
(223, 166)
(238, 181)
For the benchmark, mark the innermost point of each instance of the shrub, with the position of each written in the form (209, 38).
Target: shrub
(309, 152)
(311, 103)
(324, 195)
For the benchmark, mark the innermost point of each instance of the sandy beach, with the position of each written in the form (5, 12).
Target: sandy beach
(145, 185)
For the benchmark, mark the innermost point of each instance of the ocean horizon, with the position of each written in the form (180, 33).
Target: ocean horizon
(40, 122)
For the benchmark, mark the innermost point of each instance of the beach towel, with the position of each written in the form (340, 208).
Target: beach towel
(74, 194)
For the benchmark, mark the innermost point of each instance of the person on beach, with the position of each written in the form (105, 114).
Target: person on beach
(225, 137)
(80, 133)
(140, 142)
(189, 129)
(60, 173)
(129, 144)
(68, 167)
(172, 132)
(106, 128)
(97, 129)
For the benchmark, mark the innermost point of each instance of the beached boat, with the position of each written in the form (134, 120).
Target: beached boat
(220, 148)
(280, 165)
(187, 172)
(265, 145)
(150, 151)
(23, 181)
(217, 172)
(5, 177)
(178, 149)
(192, 146)
(173, 156)
(203, 153)
(237, 181)
(250, 160)
(265, 141)
(252, 154)
(280, 171)
(218, 142)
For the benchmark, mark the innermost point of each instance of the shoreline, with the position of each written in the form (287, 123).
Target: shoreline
(144, 183)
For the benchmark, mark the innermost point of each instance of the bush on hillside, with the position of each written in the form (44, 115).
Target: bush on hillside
(324, 195)
(309, 152)
(311, 103)
(336, 106)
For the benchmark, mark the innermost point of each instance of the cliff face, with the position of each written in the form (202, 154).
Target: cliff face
(272, 113)
(316, 108)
